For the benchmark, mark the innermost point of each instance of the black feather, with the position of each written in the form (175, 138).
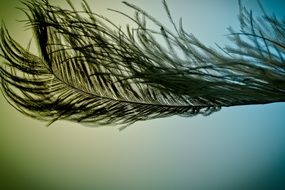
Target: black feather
(90, 71)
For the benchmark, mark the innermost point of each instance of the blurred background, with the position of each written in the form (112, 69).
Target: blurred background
(236, 148)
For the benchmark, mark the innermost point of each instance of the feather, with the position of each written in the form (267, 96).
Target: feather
(90, 71)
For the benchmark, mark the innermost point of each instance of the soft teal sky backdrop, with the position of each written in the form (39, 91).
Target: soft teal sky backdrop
(236, 148)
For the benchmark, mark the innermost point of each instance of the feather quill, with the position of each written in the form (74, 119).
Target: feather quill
(90, 71)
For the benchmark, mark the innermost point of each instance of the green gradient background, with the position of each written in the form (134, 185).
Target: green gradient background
(236, 148)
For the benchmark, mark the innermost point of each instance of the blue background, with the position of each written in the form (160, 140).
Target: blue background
(237, 148)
